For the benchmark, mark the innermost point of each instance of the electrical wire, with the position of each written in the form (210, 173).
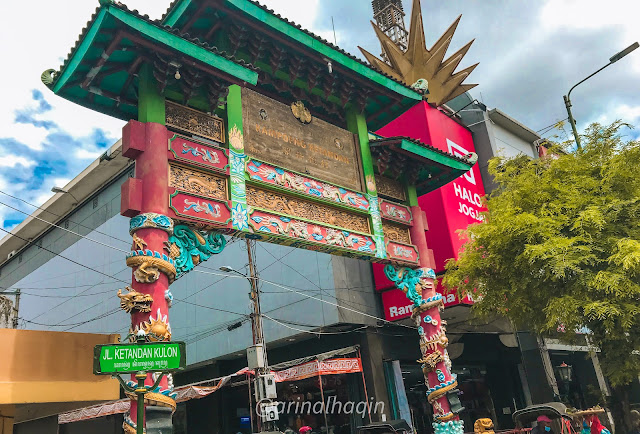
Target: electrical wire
(322, 290)
(65, 229)
(552, 125)
(63, 257)
(104, 315)
(224, 276)
(311, 297)
(312, 332)
(209, 307)
(60, 216)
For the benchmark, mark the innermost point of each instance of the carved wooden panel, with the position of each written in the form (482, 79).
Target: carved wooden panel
(311, 236)
(195, 181)
(395, 211)
(273, 134)
(390, 188)
(268, 174)
(402, 252)
(194, 122)
(396, 232)
(196, 153)
(198, 208)
(281, 203)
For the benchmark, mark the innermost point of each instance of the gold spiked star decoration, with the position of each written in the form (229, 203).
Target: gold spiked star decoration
(417, 64)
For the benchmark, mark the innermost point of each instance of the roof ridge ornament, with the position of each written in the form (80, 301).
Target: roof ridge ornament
(48, 76)
(416, 62)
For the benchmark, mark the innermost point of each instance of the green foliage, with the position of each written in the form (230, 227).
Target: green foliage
(561, 246)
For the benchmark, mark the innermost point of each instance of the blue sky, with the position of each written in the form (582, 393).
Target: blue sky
(530, 53)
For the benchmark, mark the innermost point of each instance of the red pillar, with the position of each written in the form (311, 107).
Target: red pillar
(419, 285)
(145, 198)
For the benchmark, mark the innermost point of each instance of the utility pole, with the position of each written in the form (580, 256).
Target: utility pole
(17, 309)
(264, 386)
(256, 316)
(265, 389)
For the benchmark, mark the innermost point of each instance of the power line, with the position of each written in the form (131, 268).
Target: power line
(322, 290)
(104, 315)
(311, 297)
(63, 257)
(224, 276)
(313, 332)
(60, 216)
(552, 125)
(64, 229)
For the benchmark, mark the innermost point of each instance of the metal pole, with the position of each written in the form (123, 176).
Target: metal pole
(255, 298)
(250, 401)
(567, 103)
(572, 121)
(140, 391)
(17, 308)
(364, 384)
(324, 409)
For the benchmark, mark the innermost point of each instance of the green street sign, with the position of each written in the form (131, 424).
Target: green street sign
(129, 358)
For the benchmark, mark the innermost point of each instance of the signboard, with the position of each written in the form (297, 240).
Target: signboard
(457, 204)
(316, 367)
(130, 358)
(273, 134)
(397, 306)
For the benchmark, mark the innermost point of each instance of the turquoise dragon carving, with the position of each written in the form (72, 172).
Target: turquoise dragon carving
(409, 281)
(190, 247)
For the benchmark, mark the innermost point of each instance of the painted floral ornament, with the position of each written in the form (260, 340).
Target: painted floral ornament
(235, 138)
(240, 216)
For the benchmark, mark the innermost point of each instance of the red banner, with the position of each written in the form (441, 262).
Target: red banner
(316, 367)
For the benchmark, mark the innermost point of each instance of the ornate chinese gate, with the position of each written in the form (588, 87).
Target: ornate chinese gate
(277, 150)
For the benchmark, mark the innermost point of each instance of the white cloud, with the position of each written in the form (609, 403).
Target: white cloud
(13, 161)
(85, 154)
(590, 15)
(29, 135)
(623, 112)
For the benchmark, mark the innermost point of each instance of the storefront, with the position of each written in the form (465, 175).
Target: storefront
(489, 382)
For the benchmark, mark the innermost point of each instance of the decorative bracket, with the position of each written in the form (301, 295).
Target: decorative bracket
(189, 247)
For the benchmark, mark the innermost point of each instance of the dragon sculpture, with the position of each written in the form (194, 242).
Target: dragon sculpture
(135, 301)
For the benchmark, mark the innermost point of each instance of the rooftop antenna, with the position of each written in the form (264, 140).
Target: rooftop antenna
(335, 40)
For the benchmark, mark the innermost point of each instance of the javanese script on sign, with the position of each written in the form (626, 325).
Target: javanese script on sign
(127, 358)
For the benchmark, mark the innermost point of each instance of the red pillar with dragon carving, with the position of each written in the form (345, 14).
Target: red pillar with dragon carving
(419, 287)
(145, 199)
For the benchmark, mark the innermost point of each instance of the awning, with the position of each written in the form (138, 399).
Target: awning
(321, 356)
(184, 393)
(320, 367)
(299, 369)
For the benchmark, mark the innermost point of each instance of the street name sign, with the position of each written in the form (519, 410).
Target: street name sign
(129, 358)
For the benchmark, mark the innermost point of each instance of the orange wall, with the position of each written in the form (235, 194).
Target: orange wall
(43, 366)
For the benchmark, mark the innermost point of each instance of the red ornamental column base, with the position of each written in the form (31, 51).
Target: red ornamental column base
(418, 285)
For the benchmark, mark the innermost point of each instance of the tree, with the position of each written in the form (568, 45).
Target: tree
(561, 247)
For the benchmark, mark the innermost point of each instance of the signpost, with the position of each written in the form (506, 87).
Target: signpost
(117, 359)
(139, 358)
